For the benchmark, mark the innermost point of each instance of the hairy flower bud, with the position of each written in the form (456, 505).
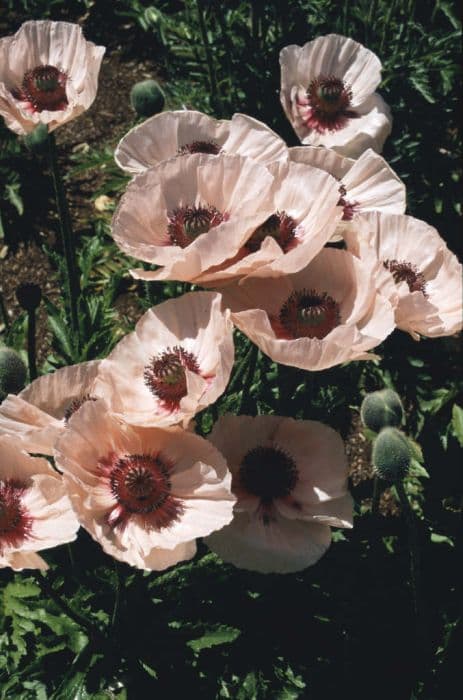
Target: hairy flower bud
(391, 454)
(29, 296)
(147, 98)
(13, 372)
(381, 409)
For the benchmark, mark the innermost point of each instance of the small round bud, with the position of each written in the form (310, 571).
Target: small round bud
(391, 454)
(147, 98)
(381, 409)
(13, 372)
(37, 140)
(29, 296)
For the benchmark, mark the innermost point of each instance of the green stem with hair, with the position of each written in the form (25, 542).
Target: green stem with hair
(67, 240)
(31, 347)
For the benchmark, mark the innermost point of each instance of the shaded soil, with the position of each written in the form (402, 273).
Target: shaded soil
(24, 259)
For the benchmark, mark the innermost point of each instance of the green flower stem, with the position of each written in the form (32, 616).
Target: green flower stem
(376, 497)
(67, 240)
(4, 312)
(209, 58)
(412, 543)
(241, 367)
(247, 380)
(92, 631)
(31, 347)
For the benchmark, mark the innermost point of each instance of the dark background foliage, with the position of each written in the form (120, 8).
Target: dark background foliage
(204, 629)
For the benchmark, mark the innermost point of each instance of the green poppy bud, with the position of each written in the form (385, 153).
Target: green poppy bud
(29, 296)
(381, 409)
(391, 454)
(13, 372)
(147, 98)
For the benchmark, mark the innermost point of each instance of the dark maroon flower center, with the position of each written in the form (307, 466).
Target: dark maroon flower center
(307, 314)
(329, 100)
(45, 88)
(349, 208)
(187, 223)
(279, 226)
(407, 272)
(15, 523)
(76, 404)
(268, 473)
(165, 375)
(210, 147)
(141, 485)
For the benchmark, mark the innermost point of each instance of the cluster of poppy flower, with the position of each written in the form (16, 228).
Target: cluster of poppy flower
(223, 205)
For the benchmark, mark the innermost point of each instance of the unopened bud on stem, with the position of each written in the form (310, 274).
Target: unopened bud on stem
(381, 409)
(391, 454)
(147, 98)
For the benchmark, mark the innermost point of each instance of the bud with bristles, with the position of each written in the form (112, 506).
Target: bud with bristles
(147, 98)
(13, 372)
(29, 296)
(391, 454)
(381, 409)
(37, 140)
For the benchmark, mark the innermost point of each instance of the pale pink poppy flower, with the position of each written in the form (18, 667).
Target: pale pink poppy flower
(327, 93)
(414, 268)
(328, 313)
(305, 215)
(290, 479)
(367, 184)
(35, 511)
(48, 75)
(176, 362)
(184, 132)
(145, 494)
(39, 413)
(191, 213)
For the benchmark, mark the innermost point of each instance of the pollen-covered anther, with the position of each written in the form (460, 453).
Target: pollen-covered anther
(76, 404)
(268, 473)
(15, 523)
(279, 226)
(329, 100)
(403, 271)
(141, 486)
(307, 314)
(44, 87)
(187, 223)
(210, 147)
(166, 378)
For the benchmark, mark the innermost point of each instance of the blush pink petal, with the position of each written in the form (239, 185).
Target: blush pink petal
(282, 542)
(381, 237)
(366, 317)
(284, 547)
(162, 137)
(310, 198)
(369, 183)
(36, 416)
(194, 322)
(60, 44)
(199, 480)
(45, 502)
(340, 57)
(236, 186)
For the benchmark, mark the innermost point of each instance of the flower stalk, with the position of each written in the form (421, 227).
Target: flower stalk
(67, 239)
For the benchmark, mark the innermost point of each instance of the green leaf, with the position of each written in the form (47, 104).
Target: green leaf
(212, 638)
(457, 422)
(13, 196)
(439, 539)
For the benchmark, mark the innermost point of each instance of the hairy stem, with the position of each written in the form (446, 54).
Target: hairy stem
(67, 240)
